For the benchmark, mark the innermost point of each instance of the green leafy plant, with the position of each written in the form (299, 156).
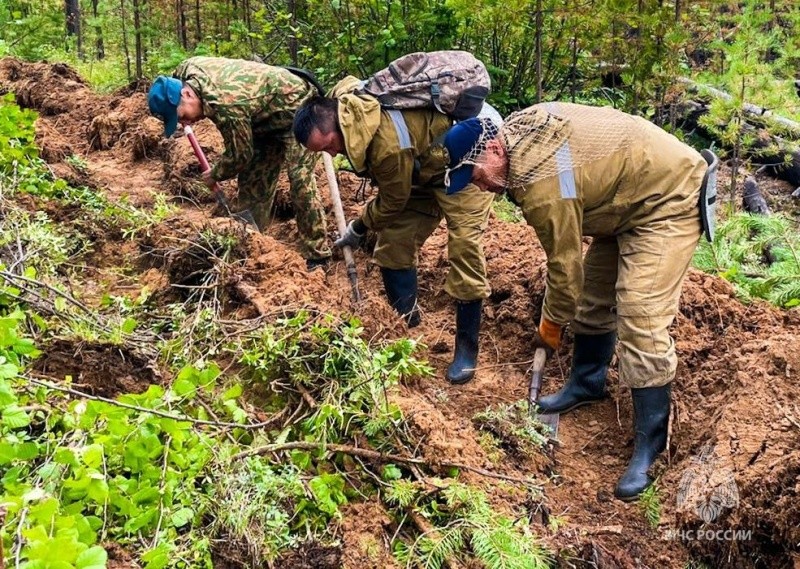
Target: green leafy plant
(506, 210)
(759, 254)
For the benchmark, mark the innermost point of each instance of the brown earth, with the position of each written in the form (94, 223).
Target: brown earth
(734, 451)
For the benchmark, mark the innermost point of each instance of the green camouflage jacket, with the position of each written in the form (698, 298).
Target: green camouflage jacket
(245, 100)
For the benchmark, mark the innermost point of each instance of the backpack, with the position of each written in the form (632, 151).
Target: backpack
(455, 83)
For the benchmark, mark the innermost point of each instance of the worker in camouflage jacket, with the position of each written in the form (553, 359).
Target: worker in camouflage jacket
(252, 105)
(586, 171)
(402, 152)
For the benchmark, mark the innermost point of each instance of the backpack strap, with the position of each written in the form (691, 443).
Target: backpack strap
(566, 166)
(401, 128)
(306, 76)
(435, 94)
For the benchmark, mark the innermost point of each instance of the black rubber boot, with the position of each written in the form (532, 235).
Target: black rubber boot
(313, 264)
(587, 378)
(468, 327)
(401, 289)
(650, 419)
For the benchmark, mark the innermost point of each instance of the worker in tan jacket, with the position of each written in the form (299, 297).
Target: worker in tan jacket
(576, 170)
(403, 154)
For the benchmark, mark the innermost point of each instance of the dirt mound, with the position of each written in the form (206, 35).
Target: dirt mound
(181, 169)
(99, 369)
(363, 528)
(76, 120)
(738, 461)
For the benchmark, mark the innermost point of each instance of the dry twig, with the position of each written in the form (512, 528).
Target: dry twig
(374, 455)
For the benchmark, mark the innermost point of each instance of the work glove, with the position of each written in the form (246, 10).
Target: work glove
(548, 336)
(353, 234)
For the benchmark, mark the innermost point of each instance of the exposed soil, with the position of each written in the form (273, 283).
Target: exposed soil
(736, 419)
(99, 369)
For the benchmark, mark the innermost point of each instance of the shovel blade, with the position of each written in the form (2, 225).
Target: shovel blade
(551, 421)
(245, 217)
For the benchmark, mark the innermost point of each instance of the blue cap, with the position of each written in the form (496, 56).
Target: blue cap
(459, 141)
(163, 100)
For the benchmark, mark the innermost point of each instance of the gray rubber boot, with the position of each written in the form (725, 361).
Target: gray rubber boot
(468, 327)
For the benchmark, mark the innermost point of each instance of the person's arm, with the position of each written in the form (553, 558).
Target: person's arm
(393, 177)
(558, 225)
(234, 125)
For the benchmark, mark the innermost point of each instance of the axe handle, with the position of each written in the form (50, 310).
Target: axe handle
(341, 224)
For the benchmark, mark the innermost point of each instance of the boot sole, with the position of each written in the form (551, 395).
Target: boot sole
(460, 381)
(628, 499)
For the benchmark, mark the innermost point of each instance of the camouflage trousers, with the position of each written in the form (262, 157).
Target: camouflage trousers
(258, 183)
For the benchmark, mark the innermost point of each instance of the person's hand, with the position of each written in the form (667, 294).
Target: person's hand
(352, 237)
(208, 179)
(547, 336)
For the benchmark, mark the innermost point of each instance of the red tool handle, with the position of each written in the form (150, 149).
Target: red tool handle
(201, 157)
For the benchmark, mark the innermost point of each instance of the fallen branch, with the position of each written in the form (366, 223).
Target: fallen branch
(220, 424)
(372, 455)
(749, 108)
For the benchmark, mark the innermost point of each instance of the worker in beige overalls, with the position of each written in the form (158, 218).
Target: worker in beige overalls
(577, 170)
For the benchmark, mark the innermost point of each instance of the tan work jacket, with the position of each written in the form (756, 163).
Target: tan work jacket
(650, 177)
(398, 167)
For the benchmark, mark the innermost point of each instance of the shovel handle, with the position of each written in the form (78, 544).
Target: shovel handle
(201, 157)
(341, 224)
(539, 359)
(205, 166)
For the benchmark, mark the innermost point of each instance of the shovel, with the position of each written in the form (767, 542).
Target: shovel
(547, 419)
(243, 216)
(341, 224)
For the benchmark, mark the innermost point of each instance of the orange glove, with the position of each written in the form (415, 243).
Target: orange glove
(548, 336)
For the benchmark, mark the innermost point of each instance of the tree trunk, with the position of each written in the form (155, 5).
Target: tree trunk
(198, 33)
(292, 6)
(181, 11)
(73, 20)
(125, 40)
(137, 34)
(539, 32)
(99, 46)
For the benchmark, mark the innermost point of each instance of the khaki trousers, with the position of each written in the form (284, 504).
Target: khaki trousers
(632, 284)
(467, 214)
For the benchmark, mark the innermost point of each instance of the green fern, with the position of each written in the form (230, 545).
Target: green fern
(433, 551)
(466, 522)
